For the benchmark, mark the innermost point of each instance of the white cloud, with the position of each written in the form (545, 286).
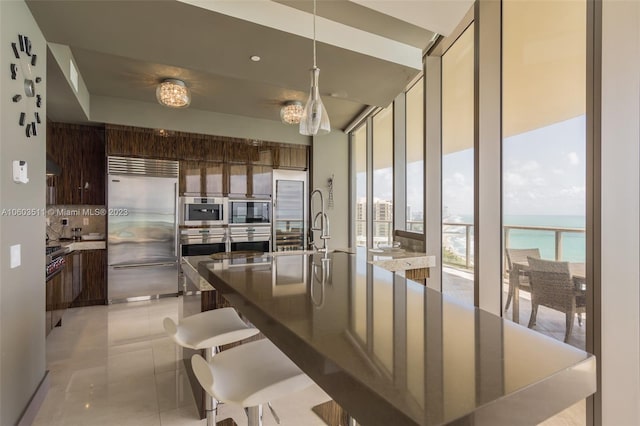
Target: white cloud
(573, 158)
(530, 166)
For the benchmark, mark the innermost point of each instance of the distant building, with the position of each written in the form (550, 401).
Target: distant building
(382, 221)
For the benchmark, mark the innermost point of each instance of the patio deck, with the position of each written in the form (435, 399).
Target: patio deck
(459, 284)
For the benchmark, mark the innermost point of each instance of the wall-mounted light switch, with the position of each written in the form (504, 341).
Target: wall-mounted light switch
(85, 221)
(15, 256)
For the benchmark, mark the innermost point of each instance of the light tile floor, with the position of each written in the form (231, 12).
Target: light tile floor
(113, 365)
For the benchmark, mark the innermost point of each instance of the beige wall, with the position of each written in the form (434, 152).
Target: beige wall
(22, 289)
(620, 357)
(63, 56)
(331, 157)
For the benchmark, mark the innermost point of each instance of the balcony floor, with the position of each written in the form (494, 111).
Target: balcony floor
(459, 284)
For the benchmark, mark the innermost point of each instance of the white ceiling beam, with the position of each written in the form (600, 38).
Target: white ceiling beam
(284, 18)
(440, 16)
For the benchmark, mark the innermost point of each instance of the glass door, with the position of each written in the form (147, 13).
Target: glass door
(289, 210)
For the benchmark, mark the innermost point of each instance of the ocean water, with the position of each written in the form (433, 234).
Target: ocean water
(573, 243)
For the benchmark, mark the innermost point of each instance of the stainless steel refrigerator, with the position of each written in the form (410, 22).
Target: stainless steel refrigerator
(142, 242)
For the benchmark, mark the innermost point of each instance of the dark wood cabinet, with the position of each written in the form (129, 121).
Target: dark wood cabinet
(202, 178)
(139, 142)
(200, 148)
(261, 181)
(214, 182)
(291, 157)
(74, 269)
(250, 180)
(190, 182)
(211, 165)
(93, 277)
(238, 180)
(80, 153)
(63, 289)
(54, 301)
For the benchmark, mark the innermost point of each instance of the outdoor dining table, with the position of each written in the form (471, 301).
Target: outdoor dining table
(519, 269)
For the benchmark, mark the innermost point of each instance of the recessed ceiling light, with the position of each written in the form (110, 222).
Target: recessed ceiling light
(255, 58)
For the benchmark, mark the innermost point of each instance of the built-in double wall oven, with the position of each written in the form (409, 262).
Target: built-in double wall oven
(215, 224)
(249, 225)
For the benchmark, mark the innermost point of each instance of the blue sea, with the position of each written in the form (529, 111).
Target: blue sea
(573, 243)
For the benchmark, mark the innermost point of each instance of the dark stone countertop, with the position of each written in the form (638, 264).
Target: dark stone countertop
(391, 351)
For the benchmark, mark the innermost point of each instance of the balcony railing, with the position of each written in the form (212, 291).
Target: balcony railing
(457, 259)
(383, 230)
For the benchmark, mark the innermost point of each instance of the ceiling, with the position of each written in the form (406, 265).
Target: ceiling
(122, 49)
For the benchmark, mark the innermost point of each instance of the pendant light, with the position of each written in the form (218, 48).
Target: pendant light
(315, 119)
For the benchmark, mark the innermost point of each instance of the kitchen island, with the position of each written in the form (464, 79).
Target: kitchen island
(391, 351)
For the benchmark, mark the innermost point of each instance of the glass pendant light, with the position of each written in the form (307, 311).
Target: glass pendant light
(315, 119)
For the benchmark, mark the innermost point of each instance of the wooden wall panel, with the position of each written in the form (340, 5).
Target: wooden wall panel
(80, 153)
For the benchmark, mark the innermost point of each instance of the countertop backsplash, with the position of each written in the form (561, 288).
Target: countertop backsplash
(95, 215)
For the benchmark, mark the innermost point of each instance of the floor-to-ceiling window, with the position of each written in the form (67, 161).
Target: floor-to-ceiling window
(359, 167)
(415, 158)
(458, 167)
(383, 177)
(544, 174)
(544, 170)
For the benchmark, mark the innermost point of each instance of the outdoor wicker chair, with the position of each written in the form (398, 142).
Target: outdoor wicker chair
(516, 276)
(552, 286)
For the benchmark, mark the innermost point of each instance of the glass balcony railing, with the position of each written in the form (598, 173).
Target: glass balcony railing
(554, 243)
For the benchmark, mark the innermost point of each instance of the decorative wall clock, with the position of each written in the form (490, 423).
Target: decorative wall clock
(28, 97)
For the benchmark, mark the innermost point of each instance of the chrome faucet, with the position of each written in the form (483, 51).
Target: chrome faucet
(324, 223)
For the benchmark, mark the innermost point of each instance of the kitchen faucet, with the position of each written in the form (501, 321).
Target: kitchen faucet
(324, 223)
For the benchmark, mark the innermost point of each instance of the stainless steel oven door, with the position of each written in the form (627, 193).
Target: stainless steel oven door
(203, 211)
(202, 241)
(249, 212)
(250, 238)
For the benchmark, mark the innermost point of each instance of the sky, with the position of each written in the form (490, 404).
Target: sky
(543, 173)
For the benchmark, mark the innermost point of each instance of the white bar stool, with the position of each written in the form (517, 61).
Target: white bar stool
(250, 375)
(208, 330)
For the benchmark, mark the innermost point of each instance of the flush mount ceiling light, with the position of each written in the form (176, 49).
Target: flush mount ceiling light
(291, 112)
(173, 93)
(315, 119)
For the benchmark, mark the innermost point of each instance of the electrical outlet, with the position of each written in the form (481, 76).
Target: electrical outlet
(64, 221)
(85, 221)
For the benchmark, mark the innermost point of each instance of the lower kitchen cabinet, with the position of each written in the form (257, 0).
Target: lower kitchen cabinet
(94, 278)
(55, 301)
(82, 282)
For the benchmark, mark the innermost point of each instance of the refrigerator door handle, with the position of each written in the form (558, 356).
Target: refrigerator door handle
(142, 265)
(176, 237)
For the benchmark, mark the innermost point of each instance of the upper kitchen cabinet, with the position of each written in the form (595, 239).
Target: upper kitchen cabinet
(200, 148)
(80, 153)
(202, 178)
(128, 141)
(295, 157)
